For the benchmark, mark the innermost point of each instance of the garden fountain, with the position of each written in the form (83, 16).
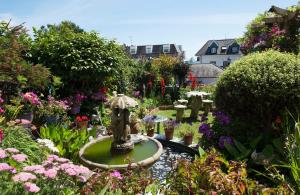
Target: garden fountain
(122, 148)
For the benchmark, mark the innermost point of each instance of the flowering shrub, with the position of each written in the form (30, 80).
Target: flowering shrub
(53, 175)
(53, 107)
(31, 101)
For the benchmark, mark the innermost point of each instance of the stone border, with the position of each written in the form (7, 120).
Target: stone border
(144, 163)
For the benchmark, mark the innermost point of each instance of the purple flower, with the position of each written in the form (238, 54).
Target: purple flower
(222, 118)
(137, 94)
(224, 139)
(206, 131)
(31, 187)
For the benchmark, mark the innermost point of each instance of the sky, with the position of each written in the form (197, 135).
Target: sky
(189, 23)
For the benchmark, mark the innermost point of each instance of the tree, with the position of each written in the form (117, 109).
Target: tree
(84, 60)
(14, 69)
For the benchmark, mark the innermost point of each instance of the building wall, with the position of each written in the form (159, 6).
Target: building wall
(219, 59)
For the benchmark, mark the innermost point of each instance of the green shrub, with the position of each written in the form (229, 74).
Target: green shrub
(259, 86)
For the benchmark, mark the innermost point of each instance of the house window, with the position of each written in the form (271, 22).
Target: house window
(213, 50)
(234, 49)
(133, 49)
(223, 49)
(148, 49)
(166, 48)
(213, 62)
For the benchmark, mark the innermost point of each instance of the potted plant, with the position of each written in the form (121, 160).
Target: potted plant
(52, 109)
(187, 132)
(169, 127)
(29, 102)
(75, 102)
(82, 122)
(149, 125)
(134, 124)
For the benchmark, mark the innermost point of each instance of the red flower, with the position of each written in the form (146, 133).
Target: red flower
(78, 119)
(278, 120)
(163, 87)
(103, 90)
(1, 135)
(84, 118)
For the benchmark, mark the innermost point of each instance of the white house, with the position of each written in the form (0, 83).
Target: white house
(219, 52)
(205, 73)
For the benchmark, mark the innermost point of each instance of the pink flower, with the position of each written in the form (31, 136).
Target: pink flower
(23, 177)
(52, 158)
(5, 167)
(31, 187)
(116, 174)
(82, 170)
(2, 154)
(19, 157)
(50, 173)
(1, 136)
(12, 150)
(70, 172)
(1, 100)
(38, 169)
(1, 110)
(32, 98)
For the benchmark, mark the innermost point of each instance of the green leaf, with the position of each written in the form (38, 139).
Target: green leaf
(234, 152)
(240, 146)
(201, 151)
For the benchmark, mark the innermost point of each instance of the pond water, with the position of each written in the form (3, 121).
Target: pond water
(99, 152)
(164, 165)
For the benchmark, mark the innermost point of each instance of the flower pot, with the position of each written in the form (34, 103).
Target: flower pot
(52, 119)
(82, 124)
(188, 139)
(169, 133)
(75, 109)
(27, 116)
(134, 128)
(150, 132)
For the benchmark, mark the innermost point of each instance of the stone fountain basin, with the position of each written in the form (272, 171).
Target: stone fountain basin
(96, 154)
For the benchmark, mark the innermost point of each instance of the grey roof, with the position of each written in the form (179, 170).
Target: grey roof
(205, 70)
(221, 43)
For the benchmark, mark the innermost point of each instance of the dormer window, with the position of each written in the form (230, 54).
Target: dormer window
(223, 49)
(166, 48)
(234, 49)
(148, 49)
(133, 49)
(213, 50)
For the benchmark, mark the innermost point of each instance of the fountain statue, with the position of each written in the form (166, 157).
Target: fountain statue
(114, 152)
(120, 123)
